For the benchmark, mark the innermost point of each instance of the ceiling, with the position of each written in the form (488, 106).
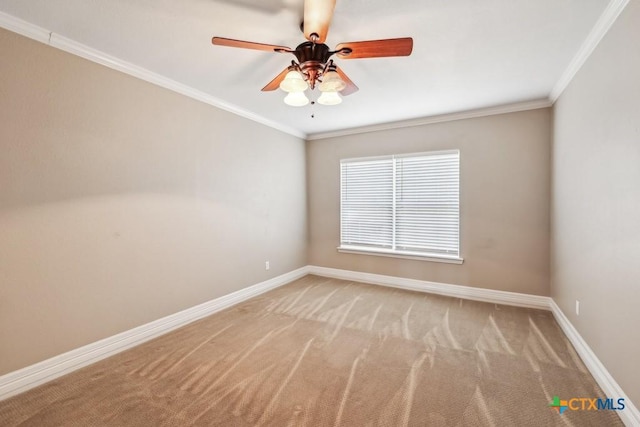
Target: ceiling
(467, 55)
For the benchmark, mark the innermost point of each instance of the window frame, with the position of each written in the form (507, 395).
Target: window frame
(395, 253)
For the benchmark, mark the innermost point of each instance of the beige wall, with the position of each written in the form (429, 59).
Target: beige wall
(596, 201)
(121, 202)
(504, 200)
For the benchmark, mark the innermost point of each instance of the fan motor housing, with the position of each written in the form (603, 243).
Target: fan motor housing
(309, 51)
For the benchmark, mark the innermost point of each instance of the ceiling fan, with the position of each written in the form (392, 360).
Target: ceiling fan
(314, 65)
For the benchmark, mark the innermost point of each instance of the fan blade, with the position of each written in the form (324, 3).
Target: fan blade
(221, 41)
(275, 83)
(317, 17)
(351, 87)
(376, 48)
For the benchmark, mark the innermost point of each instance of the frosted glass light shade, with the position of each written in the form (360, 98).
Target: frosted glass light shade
(293, 82)
(329, 98)
(296, 99)
(331, 82)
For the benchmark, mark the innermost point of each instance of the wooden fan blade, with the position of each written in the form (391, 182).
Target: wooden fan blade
(317, 17)
(351, 86)
(275, 83)
(376, 48)
(221, 41)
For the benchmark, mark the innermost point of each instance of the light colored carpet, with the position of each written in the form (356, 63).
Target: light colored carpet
(324, 352)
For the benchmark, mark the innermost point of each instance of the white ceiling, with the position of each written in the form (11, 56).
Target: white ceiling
(468, 54)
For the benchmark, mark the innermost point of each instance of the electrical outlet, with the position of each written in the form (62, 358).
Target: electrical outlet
(577, 308)
(266, 265)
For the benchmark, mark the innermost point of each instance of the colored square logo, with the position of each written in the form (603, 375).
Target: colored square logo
(559, 405)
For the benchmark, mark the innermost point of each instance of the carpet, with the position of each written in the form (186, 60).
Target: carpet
(327, 352)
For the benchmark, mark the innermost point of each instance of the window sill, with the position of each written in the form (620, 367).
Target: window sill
(399, 254)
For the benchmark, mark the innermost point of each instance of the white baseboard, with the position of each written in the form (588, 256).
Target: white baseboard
(47, 370)
(31, 376)
(630, 415)
(458, 291)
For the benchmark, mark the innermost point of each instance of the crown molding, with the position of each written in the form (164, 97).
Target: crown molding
(24, 28)
(599, 30)
(73, 47)
(481, 112)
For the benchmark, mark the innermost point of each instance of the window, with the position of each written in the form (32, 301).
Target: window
(404, 205)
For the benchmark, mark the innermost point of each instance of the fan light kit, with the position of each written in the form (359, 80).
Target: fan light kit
(314, 66)
(296, 83)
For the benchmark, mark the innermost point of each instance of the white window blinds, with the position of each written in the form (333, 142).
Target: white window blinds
(405, 204)
(367, 203)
